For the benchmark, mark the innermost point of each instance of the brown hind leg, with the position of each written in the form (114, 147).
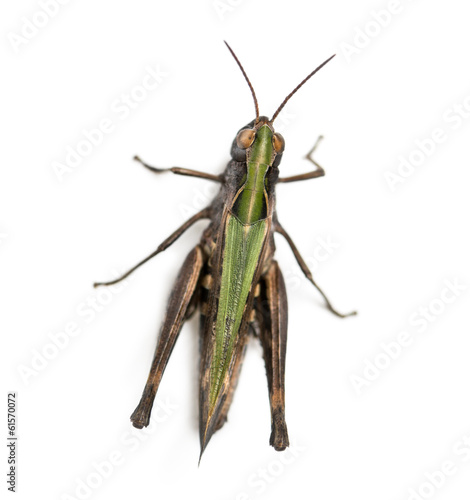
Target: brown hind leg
(180, 298)
(272, 321)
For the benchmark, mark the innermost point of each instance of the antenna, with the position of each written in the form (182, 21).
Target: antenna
(298, 87)
(247, 81)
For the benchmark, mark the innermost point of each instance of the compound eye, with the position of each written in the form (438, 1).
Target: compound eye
(278, 143)
(245, 138)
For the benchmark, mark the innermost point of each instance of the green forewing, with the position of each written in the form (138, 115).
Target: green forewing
(243, 246)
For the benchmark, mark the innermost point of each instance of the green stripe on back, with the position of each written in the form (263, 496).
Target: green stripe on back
(243, 245)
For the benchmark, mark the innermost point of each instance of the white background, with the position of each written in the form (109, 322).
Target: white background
(394, 249)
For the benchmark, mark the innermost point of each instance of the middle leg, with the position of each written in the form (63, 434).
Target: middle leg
(279, 229)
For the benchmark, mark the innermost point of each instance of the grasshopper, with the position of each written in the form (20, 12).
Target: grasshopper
(232, 277)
